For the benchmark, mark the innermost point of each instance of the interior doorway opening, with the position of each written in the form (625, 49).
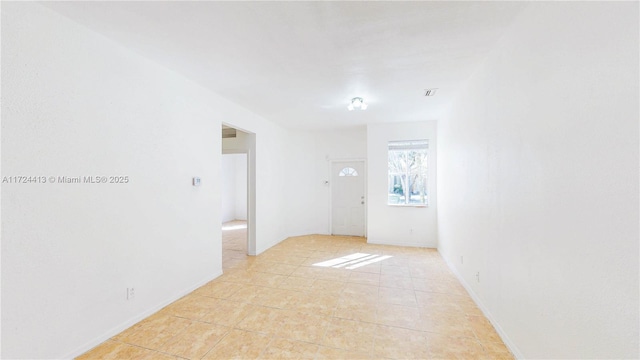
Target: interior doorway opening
(234, 208)
(237, 174)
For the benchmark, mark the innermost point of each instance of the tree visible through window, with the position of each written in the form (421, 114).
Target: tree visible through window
(408, 172)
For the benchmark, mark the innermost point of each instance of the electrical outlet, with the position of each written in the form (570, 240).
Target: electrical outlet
(131, 293)
(478, 276)
(461, 259)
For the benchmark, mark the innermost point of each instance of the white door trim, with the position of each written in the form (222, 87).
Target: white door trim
(366, 198)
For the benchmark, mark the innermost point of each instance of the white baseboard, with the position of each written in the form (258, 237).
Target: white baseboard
(127, 324)
(402, 243)
(503, 335)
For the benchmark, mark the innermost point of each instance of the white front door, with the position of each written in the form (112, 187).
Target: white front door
(347, 198)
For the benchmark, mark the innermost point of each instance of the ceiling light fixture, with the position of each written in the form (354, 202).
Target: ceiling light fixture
(357, 103)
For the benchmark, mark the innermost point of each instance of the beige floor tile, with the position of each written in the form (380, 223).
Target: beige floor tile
(300, 326)
(483, 329)
(359, 312)
(396, 270)
(133, 329)
(448, 324)
(444, 347)
(293, 258)
(445, 285)
(404, 297)
(314, 261)
(321, 255)
(236, 275)
(369, 268)
(327, 287)
(195, 341)
(289, 349)
(350, 335)
(268, 280)
(107, 350)
(281, 269)
(471, 309)
(308, 272)
(420, 284)
(261, 265)
(278, 298)
(262, 319)
(153, 334)
(428, 300)
(332, 353)
(496, 351)
(365, 291)
(191, 307)
(420, 272)
(247, 294)
(296, 283)
(397, 315)
(364, 300)
(396, 343)
(394, 281)
(234, 264)
(317, 304)
(162, 356)
(116, 350)
(239, 344)
(467, 305)
(301, 252)
(333, 274)
(364, 278)
(228, 313)
(218, 289)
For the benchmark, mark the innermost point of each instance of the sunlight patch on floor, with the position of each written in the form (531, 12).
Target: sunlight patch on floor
(234, 227)
(352, 261)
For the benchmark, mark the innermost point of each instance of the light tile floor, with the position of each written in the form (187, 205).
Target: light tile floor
(317, 297)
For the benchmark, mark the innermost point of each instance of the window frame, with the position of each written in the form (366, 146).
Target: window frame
(408, 145)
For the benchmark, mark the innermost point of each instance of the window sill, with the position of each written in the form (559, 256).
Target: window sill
(409, 205)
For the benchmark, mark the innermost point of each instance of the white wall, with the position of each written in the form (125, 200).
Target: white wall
(75, 103)
(399, 225)
(538, 182)
(240, 171)
(234, 187)
(308, 160)
(228, 186)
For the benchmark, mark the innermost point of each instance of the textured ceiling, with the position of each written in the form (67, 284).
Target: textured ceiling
(299, 63)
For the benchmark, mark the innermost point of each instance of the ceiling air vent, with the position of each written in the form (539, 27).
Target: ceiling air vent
(430, 92)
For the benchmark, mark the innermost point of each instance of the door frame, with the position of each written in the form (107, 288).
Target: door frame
(366, 197)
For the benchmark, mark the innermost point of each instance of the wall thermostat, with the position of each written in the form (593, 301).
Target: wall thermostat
(196, 181)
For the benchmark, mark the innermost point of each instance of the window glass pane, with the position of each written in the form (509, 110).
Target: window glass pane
(348, 171)
(408, 172)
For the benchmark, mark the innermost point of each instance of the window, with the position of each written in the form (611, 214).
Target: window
(348, 171)
(408, 173)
